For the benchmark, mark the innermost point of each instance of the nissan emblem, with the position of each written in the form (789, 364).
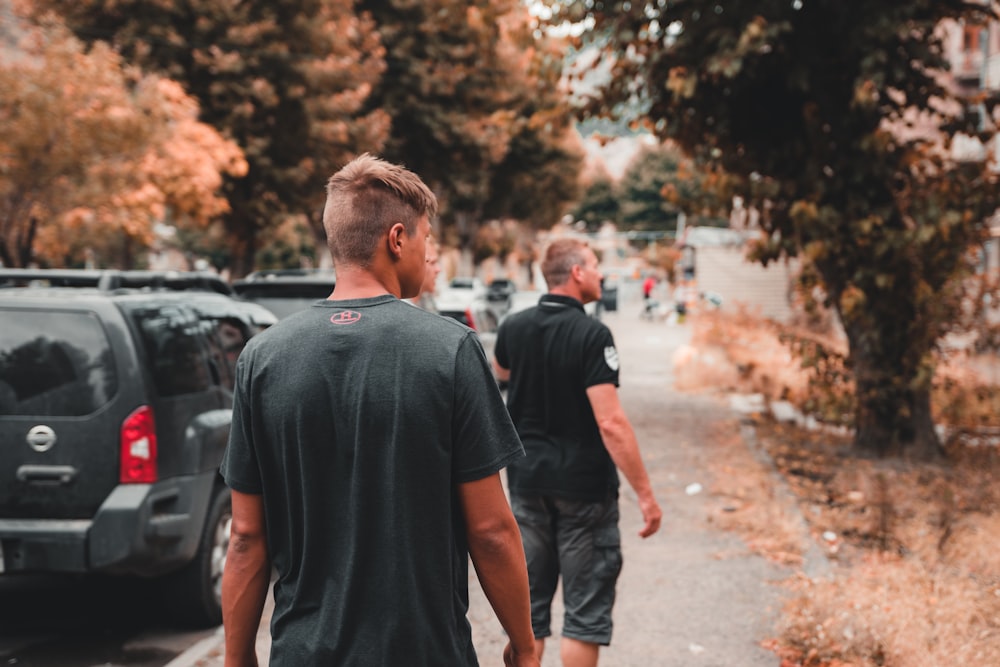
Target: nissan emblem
(41, 438)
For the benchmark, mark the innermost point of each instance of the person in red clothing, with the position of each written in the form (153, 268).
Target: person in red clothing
(647, 288)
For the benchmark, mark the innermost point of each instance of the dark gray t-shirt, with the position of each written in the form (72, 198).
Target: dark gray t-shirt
(356, 420)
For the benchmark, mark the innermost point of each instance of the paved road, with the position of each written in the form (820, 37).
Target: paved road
(66, 621)
(690, 596)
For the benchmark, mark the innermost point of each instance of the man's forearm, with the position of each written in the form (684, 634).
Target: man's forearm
(244, 589)
(623, 447)
(502, 374)
(503, 574)
(620, 441)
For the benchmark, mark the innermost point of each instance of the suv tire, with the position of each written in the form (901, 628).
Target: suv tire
(192, 595)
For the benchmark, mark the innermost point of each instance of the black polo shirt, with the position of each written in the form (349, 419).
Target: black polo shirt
(554, 352)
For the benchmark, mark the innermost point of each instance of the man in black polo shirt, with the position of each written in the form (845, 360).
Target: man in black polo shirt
(562, 370)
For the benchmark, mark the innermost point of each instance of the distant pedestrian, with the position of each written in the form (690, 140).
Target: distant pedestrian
(647, 288)
(364, 461)
(562, 369)
(426, 298)
(688, 263)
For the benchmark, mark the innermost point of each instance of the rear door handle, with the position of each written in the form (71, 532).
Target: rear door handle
(46, 474)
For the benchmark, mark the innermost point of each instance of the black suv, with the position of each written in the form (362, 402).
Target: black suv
(286, 291)
(115, 406)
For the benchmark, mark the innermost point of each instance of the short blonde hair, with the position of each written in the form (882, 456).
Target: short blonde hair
(364, 200)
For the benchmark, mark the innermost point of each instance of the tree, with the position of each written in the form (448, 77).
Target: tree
(659, 183)
(285, 79)
(94, 153)
(599, 203)
(642, 189)
(474, 108)
(836, 119)
(539, 177)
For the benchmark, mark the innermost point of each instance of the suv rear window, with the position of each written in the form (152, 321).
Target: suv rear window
(174, 345)
(54, 364)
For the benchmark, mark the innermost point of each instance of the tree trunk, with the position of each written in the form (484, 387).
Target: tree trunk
(128, 253)
(322, 256)
(26, 243)
(463, 229)
(6, 259)
(243, 243)
(893, 404)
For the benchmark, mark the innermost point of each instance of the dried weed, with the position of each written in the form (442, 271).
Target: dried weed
(738, 352)
(892, 610)
(916, 578)
(746, 502)
(917, 581)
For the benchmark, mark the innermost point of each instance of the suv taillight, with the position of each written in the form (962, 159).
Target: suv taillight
(469, 319)
(138, 448)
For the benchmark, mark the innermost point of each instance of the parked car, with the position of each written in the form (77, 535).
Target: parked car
(460, 293)
(499, 294)
(500, 289)
(115, 407)
(475, 286)
(476, 315)
(286, 291)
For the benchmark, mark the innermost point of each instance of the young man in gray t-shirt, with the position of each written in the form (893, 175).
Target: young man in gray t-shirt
(364, 460)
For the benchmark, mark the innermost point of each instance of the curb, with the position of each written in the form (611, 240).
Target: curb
(815, 563)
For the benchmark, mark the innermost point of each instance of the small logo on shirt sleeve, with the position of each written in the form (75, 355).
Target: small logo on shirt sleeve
(611, 357)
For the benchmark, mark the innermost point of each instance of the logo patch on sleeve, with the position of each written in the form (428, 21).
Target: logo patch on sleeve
(611, 357)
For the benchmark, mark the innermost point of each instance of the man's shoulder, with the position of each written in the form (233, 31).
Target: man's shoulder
(595, 332)
(595, 324)
(429, 323)
(284, 329)
(522, 315)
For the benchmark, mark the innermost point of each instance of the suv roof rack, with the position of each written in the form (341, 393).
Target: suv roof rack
(109, 280)
(278, 274)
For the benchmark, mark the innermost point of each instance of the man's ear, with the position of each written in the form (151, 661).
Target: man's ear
(395, 239)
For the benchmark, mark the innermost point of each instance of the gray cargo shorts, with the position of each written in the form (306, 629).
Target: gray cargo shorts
(580, 542)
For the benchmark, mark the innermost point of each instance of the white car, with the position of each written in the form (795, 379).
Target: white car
(476, 314)
(469, 285)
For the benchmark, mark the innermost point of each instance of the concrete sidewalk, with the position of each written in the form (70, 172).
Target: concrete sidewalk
(691, 595)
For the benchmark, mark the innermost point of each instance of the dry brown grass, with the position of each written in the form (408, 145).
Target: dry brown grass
(739, 352)
(891, 610)
(917, 580)
(745, 501)
(916, 574)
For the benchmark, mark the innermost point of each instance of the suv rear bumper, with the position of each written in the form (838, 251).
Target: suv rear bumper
(140, 529)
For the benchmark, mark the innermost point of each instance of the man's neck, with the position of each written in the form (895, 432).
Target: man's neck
(569, 290)
(360, 283)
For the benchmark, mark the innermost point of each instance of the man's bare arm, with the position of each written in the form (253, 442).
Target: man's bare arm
(245, 580)
(620, 441)
(498, 556)
(502, 374)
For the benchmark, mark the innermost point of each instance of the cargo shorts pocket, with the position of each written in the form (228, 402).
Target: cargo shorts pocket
(608, 550)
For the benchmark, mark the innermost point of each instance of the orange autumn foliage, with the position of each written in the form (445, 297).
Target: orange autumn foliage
(95, 153)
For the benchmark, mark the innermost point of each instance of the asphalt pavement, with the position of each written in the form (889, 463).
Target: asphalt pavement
(692, 595)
